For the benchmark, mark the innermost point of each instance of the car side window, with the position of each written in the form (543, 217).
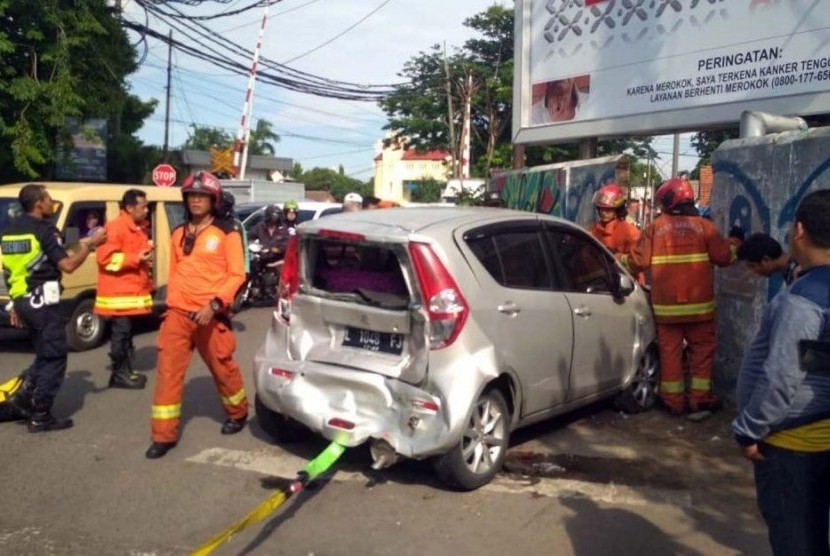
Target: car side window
(585, 268)
(86, 217)
(514, 258)
(329, 211)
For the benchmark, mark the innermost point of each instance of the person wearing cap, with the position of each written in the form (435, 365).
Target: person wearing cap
(352, 202)
(206, 270)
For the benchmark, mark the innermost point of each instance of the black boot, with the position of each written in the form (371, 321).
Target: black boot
(159, 449)
(22, 400)
(44, 421)
(123, 375)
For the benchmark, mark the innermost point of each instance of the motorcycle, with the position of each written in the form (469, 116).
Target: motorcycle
(261, 287)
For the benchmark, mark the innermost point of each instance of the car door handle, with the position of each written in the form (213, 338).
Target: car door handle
(582, 311)
(509, 308)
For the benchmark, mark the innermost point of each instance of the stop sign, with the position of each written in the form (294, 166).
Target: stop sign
(164, 175)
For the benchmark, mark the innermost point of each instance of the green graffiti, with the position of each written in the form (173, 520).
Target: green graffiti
(533, 191)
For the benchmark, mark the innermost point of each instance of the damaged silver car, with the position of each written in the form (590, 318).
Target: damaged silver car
(436, 332)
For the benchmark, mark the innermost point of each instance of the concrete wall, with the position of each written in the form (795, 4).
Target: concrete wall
(758, 185)
(563, 189)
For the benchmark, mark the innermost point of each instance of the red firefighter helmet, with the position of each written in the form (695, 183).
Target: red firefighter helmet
(609, 196)
(203, 182)
(674, 192)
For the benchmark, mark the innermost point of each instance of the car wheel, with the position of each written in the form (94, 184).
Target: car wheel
(641, 394)
(475, 460)
(85, 330)
(278, 426)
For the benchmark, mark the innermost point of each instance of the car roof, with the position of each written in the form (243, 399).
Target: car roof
(93, 191)
(419, 220)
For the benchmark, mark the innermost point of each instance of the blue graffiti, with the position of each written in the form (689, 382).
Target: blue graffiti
(788, 212)
(752, 190)
(740, 213)
(588, 186)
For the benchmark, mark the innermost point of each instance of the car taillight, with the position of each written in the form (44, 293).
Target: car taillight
(446, 307)
(339, 423)
(282, 373)
(289, 279)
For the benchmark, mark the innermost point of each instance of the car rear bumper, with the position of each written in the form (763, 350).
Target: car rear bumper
(351, 406)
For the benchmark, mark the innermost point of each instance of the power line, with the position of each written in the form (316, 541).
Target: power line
(337, 36)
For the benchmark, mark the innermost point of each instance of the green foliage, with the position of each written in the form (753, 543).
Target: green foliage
(428, 191)
(705, 142)
(418, 110)
(60, 60)
(263, 138)
(202, 138)
(326, 179)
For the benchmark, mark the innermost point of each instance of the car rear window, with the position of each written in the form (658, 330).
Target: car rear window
(365, 272)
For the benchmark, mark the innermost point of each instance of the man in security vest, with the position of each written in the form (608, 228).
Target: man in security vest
(681, 248)
(124, 284)
(206, 270)
(33, 259)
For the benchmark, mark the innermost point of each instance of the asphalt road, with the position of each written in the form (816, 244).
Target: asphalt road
(593, 483)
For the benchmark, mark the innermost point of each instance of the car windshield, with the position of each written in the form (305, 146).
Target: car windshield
(11, 209)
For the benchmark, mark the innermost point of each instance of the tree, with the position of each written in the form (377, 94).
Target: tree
(419, 109)
(428, 191)
(705, 142)
(326, 179)
(58, 61)
(202, 138)
(263, 138)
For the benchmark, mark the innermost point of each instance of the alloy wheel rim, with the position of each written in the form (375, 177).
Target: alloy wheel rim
(87, 325)
(645, 387)
(483, 441)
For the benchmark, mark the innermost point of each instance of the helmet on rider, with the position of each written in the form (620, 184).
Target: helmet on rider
(673, 193)
(273, 215)
(291, 204)
(609, 196)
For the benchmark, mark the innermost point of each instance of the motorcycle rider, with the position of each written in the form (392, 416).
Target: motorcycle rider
(290, 213)
(272, 233)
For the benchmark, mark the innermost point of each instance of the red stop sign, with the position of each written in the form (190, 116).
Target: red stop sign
(164, 175)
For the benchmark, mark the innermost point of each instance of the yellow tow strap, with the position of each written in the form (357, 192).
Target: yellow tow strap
(314, 469)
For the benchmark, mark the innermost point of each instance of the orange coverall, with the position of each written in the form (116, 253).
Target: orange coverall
(124, 284)
(617, 235)
(215, 268)
(681, 251)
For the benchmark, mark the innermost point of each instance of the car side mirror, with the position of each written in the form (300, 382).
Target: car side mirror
(71, 236)
(625, 285)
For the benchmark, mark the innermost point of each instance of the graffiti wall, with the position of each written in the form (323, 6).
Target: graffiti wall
(563, 189)
(758, 185)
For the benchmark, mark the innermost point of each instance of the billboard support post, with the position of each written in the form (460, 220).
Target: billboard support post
(588, 148)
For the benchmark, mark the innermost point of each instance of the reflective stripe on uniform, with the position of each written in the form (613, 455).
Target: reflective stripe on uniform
(235, 399)
(167, 411)
(21, 255)
(124, 302)
(116, 262)
(683, 310)
(672, 387)
(703, 384)
(678, 259)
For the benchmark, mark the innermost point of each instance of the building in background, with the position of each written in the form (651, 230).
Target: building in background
(260, 167)
(399, 170)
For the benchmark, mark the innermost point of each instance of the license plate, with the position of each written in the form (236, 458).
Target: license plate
(386, 342)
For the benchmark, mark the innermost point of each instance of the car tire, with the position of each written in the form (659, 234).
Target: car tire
(85, 330)
(641, 394)
(279, 427)
(476, 459)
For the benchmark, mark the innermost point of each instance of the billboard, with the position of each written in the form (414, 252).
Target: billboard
(86, 160)
(587, 68)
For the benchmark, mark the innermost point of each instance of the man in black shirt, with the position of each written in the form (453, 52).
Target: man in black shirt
(33, 259)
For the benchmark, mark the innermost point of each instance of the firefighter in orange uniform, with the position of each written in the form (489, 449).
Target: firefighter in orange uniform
(124, 284)
(206, 270)
(681, 248)
(611, 227)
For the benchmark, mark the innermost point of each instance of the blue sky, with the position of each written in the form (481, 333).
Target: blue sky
(371, 53)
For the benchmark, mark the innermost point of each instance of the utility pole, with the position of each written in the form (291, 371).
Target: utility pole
(451, 117)
(675, 156)
(167, 107)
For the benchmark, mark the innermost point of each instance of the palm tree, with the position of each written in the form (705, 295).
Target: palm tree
(263, 138)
